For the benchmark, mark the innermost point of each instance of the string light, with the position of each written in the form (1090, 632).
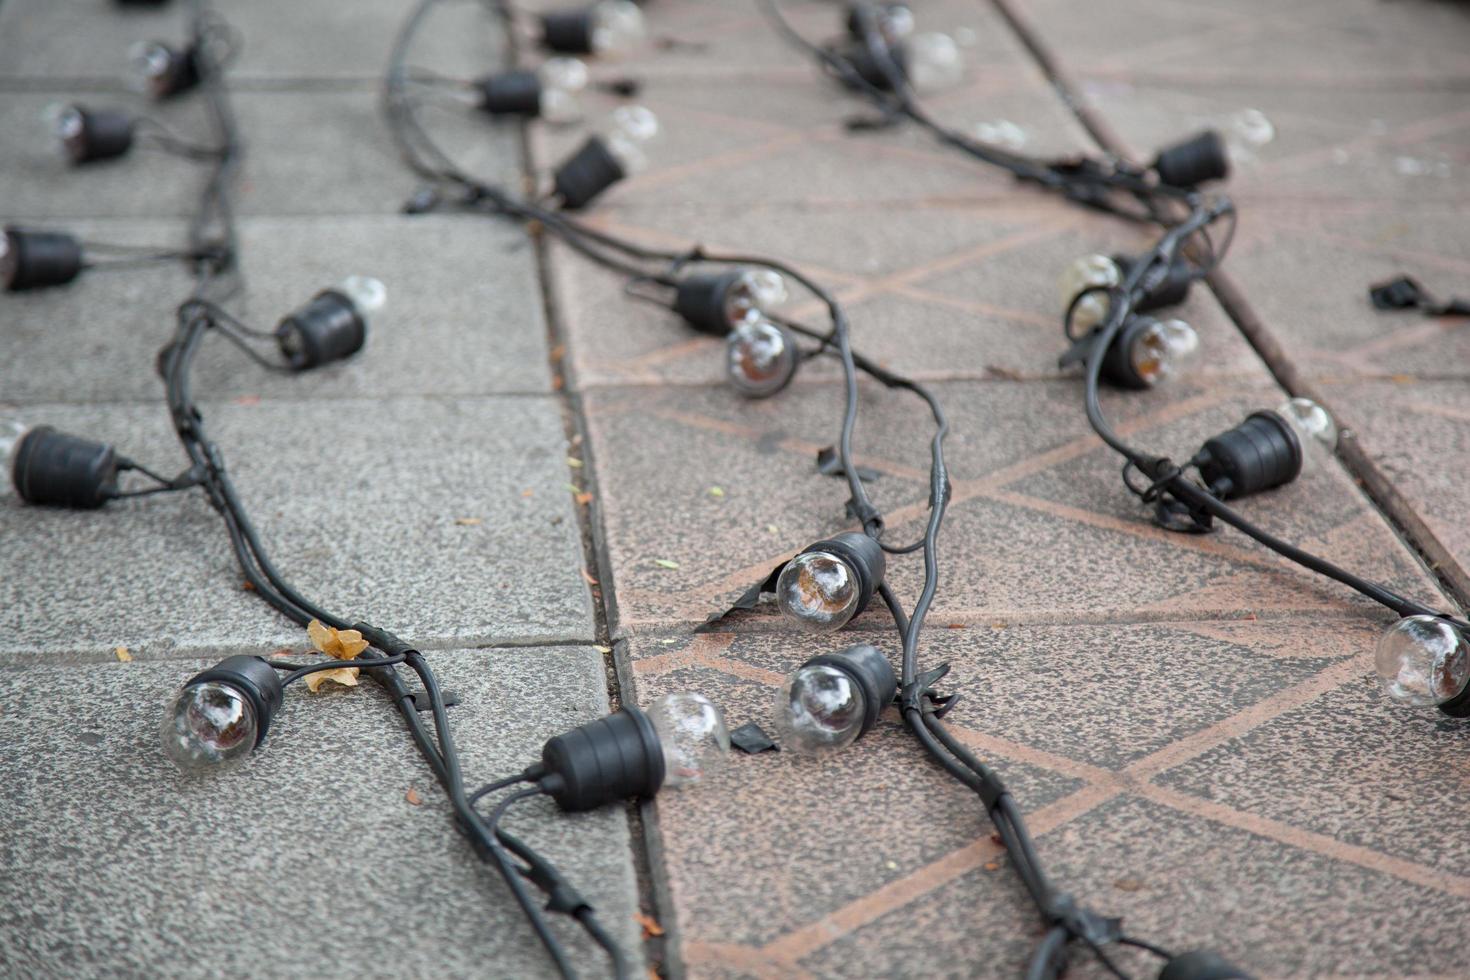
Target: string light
(549, 92)
(607, 158)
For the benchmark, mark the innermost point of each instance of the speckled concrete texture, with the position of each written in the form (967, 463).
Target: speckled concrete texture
(312, 859)
(546, 483)
(460, 527)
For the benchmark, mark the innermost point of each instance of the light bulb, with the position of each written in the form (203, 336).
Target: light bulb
(12, 431)
(1088, 272)
(617, 26)
(1314, 429)
(1156, 350)
(760, 358)
(831, 700)
(753, 293)
(162, 71)
(221, 715)
(819, 709)
(692, 736)
(932, 62)
(631, 127)
(366, 293)
(894, 21)
(210, 726)
(818, 591)
(1423, 660)
(561, 79)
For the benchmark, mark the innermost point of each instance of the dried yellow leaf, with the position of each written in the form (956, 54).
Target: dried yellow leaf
(346, 676)
(123, 654)
(342, 644)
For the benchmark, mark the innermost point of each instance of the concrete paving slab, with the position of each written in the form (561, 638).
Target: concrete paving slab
(318, 153)
(441, 333)
(1182, 880)
(447, 522)
(308, 860)
(1419, 433)
(280, 41)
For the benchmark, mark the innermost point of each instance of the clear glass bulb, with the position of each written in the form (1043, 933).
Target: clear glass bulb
(366, 293)
(896, 21)
(631, 127)
(819, 709)
(1422, 660)
(210, 726)
(691, 731)
(150, 62)
(755, 292)
(1314, 429)
(933, 62)
(9, 260)
(760, 358)
(561, 80)
(1086, 273)
(1159, 349)
(12, 431)
(818, 591)
(64, 124)
(617, 26)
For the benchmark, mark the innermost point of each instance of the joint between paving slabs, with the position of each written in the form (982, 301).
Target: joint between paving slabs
(645, 839)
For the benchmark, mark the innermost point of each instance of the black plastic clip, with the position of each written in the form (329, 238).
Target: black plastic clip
(829, 464)
(918, 696)
(421, 701)
(1082, 922)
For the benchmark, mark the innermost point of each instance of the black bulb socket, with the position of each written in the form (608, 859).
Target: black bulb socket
(255, 679)
(868, 67)
(50, 467)
(1197, 160)
(182, 71)
(586, 174)
(871, 671)
(1118, 368)
(1258, 454)
(567, 31)
(864, 555)
(1457, 706)
(327, 329)
(104, 135)
(881, 14)
(700, 300)
(1201, 964)
(1171, 290)
(510, 93)
(36, 259)
(604, 761)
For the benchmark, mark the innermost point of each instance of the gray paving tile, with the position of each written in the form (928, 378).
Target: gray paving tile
(279, 39)
(463, 317)
(325, 152)
(306, 861)
(357, 500)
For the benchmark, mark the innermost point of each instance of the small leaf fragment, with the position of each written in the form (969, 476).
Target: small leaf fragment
(123, 655)
(584, 499)
(587, 577)
(603, 649)
(665, 563)
(651, 928)
(345, 676)
(716, 491)
(574, 462)
(468, 521)
(412, 796)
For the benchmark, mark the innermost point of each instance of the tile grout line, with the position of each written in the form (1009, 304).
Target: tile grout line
(645, 838)
(1400, 515)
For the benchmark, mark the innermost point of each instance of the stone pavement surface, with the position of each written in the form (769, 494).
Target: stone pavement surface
(1190, 724)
